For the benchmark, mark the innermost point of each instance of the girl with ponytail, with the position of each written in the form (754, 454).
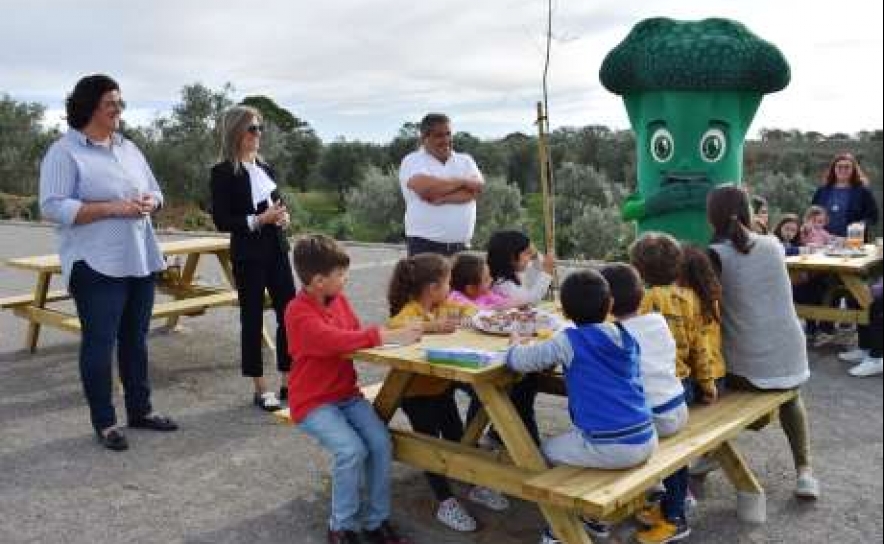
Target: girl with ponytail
(762, 340)
(418, 294)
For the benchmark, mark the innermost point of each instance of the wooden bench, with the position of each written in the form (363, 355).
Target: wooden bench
(606, 494)
(25, 300)
(612, 494)
(161, 310)
(368, 391)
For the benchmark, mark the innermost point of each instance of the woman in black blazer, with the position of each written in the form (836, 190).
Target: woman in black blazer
(246, 203)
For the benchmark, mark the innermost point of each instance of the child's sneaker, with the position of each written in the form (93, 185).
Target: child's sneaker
(488, 498)
(871, 366)
(546, 537)
(651, 516)
(663, 532)
(854, 356)
(455, 516)
(596, 528)
(822, 339)
(385, 534)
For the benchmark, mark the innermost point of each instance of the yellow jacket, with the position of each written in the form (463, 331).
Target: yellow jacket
(697, 340)
(428, 386)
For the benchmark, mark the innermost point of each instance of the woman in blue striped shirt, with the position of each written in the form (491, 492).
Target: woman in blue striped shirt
(97, 186)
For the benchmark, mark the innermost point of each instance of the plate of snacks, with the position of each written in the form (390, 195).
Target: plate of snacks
(530, 322)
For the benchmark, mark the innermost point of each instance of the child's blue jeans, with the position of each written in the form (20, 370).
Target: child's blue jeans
(360, 444)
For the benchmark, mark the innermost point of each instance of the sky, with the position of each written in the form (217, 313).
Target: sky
(360, 68)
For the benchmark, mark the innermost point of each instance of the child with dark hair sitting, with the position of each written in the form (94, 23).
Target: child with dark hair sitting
(663, 389)
(612, 425)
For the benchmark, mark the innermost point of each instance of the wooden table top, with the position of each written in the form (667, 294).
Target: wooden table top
(824, 263)
(52, 264)
(411, 358)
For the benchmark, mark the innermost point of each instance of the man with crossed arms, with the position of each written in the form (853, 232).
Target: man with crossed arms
(440, 187)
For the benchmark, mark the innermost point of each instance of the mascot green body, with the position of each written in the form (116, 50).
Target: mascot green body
(691, 89)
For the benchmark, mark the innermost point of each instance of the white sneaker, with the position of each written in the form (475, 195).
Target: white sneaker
(807, 487)
(854, 355)
(822, 339)
(871, 366)
(455, 516)
(488, 498)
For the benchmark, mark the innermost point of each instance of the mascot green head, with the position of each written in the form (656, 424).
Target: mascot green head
(691, 89)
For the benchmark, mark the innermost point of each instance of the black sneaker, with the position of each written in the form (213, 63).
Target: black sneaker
(385, 534)
(342, 537)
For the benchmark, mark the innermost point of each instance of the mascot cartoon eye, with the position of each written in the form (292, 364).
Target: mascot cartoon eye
(713, 144)
(662, 145)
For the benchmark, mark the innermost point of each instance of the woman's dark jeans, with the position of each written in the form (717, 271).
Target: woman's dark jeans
(113, 312)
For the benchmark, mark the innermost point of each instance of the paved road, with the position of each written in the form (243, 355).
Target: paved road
(231, 475)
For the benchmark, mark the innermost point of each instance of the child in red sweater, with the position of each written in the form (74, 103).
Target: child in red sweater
(326, 403)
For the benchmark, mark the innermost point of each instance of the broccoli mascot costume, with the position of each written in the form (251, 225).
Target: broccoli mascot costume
(691, 89)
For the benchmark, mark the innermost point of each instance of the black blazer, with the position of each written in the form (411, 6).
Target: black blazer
(232, 203)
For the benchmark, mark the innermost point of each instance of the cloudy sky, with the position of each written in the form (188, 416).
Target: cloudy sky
(360, 68)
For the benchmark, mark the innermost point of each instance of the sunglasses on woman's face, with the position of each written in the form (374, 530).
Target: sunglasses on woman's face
(255, 129)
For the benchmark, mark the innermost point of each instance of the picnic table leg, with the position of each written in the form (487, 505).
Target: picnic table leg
(224, 260)
(565, 524)
(185, 280)
(475, 428)
(858, 289)
(390, 396)
(751, 500)
(41, 292)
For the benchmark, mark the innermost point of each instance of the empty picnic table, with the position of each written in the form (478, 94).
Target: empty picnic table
(188, 297)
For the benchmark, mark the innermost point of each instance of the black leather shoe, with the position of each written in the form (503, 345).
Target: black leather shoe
(114, 440)
(154, 422)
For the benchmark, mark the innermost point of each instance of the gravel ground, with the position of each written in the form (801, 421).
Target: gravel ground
(232, 475)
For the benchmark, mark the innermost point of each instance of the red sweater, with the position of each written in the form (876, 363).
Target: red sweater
(320, 340)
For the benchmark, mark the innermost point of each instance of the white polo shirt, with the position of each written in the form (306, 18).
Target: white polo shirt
(446, 223)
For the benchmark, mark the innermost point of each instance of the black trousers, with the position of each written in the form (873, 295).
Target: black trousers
(523, 394)
(417, 245)
(436, 416)
(274, 273)
(870, 335)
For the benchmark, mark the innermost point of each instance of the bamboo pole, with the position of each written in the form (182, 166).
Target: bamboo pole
(549, 227)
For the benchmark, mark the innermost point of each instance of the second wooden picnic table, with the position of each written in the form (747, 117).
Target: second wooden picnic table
(188, 297)
(850, 277)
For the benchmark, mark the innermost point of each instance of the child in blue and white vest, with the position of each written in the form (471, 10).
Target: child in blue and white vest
(612, 424)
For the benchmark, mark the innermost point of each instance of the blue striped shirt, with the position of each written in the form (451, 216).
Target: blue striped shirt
(76, 171)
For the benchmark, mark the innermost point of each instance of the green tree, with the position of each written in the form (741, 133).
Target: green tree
(376, 206)
(187, 143)
(498, 207)
(22, 145)
(342, 165)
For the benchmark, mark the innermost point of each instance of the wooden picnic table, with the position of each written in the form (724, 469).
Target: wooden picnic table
(562, 493)
(850, 276)
(188, 297)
